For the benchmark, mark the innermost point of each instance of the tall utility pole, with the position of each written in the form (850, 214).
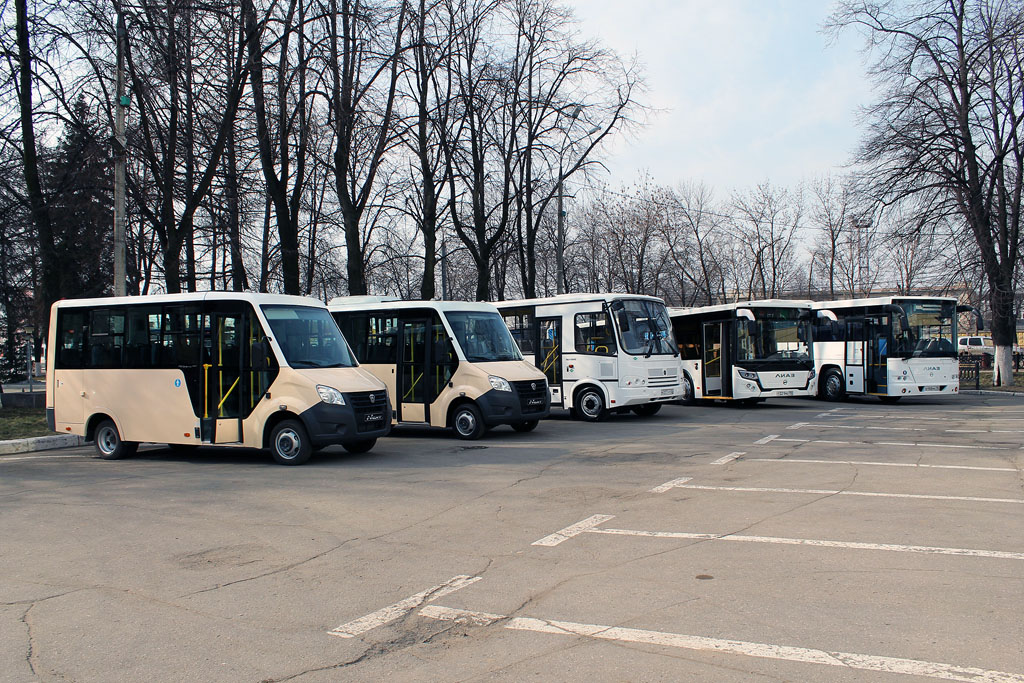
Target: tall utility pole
(560, 239)
(120, 161)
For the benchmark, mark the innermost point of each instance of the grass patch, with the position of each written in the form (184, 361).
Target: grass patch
(986, 382)
(22, 423)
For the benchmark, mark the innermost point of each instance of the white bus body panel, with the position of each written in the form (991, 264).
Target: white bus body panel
(923, 376)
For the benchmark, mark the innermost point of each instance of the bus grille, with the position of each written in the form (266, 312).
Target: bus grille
(370, 408)
(533, 395)
(670, 378)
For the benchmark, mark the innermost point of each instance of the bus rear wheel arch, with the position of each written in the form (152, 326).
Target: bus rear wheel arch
(589, 404)
(830, 385)
(109, 444)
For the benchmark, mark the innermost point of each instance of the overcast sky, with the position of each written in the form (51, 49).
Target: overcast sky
(749, 90)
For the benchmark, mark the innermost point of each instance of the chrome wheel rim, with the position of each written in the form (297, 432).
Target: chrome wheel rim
(465, 422)
(590, 404)
(687, 389)
(107, 440)
(833, 385)
(287, 444)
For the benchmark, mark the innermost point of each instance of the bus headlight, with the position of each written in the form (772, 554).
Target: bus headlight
(745, 374)
(330, 395)
(811, 374)
(499, 383)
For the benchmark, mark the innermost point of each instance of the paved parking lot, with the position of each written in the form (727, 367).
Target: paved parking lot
(794, 540)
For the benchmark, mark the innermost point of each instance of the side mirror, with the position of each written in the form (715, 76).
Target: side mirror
(745, 313)
(827, 315)
(259, 354)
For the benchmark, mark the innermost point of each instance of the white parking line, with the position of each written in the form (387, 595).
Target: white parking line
(986, 431)
(401, 608)
(669, 485)
(770, 437)
(816, 425)
(916, 444)
(578, 528)
(5, 458)
(725, 459)
(884, 464)
(872, 494)
(898, 665)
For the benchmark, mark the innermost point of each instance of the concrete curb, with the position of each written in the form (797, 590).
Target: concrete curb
(39, 443)
(989, 392)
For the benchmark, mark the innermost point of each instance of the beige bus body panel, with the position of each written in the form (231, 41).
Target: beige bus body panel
(470, 381)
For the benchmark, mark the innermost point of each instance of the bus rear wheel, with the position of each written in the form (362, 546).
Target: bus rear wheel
(527, 426)
(831, 387)
(647, 409)
(109, 445)
(467, 422)
(289, 443)
(359, 446)
(590, 405)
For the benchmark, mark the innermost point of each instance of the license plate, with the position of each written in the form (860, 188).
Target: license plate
(667, 392)
(931, 389)
(783, 393)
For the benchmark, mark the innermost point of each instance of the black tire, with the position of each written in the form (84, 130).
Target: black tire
(889, 399)
(109, 445)
(359, 446)
(688, 393)
(830, 386)
(289, 443)
(590, 405)
(527, 426)
(647, 410)
(467, 422)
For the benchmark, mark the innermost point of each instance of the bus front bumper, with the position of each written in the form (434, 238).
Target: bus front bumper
(627, 398)
(329, 424)
(505, 408)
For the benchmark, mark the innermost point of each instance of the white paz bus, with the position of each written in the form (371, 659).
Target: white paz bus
(215, 368)
(600, 353)
(446, 363)
(889, 347)
(746, 351)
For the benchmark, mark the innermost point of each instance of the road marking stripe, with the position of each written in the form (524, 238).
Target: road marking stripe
(770, 437)
(727, 458)
(801, 425)
(986, 431)
(915, 444)
(942, 445)
(851, 493)
(884, 464)
(670, 484)
(913, 667)
(5, 458)
(401, 608)
(579, 527)
(819, 543)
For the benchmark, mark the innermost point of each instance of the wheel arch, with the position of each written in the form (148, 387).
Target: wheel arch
(454, 405)
(823, 373)
(94, 421)
(276, 418)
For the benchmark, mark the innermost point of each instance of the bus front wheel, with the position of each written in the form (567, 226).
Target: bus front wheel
(359, 446)
(468, 423)
(831, 387)
(109, 445)
(688, 393)
(590, 405)
(289, 443)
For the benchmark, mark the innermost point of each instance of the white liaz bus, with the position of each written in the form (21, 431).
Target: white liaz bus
(600, 353)
(888, 347)
(745, 351)
(214, 368)
(446, 363)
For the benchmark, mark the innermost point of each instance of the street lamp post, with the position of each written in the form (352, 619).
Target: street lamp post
(28, 355)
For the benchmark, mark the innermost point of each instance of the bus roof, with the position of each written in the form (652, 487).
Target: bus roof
(574, 299)
(877, 301)
(253, 297)
(364, 303)
(760, 303)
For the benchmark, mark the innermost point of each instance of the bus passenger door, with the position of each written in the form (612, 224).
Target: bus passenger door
(549, 355)
(223, 378)
(712, 359)
(414, 371)
(876, 332)
(855, 356)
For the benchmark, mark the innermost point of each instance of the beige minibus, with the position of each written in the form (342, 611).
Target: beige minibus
(214, 368)
(445, 363)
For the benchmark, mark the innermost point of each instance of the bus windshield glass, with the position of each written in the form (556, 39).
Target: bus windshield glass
(925, 330)
(483, 336)
(644, 327)
(308, 336)
(775, 334)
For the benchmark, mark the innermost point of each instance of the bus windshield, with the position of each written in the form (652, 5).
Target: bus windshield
(308, 336)
(644, 327)
(925, 329)
(483, 336)
(776, 334)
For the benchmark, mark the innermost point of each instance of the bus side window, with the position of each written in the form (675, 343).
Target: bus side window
(594, 334)
(521, 323)
(71, 352)
(382, 338)
(106, 339)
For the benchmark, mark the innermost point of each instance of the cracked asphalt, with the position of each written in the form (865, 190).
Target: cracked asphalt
(221, 566)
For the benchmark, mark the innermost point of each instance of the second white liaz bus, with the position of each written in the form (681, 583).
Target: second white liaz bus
(889, 347)
(600, 353)
(745, 351)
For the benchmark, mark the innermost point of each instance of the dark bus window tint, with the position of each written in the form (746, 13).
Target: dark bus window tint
(520, 322)
(445, 360)
(594, 334)
(382, 338)
(354, 327)
(689, 341)
(71, 337)
(106, 339)
(142, 345)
